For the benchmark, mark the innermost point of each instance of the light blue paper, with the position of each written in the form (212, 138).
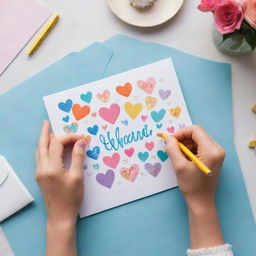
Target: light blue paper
(156, 225)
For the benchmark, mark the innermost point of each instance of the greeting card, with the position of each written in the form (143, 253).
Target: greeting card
(121, 115)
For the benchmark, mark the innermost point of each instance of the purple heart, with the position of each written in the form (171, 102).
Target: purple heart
(153, 169)
(106, 179)
(164, 94)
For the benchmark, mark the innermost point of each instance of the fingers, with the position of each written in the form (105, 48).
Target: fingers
(43, 144)
(77, 160)
(57, 146)
(196, 133)
(178, 160)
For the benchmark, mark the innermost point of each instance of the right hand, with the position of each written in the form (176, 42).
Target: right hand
(197, 188)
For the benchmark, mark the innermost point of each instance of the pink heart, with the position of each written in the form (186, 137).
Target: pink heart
(171, 129)
(144, 118)
(110, 114)
(112, 161)
(147, 86)
(129, 151)
(149, 145)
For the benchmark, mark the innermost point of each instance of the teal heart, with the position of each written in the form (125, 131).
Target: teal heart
(143, 156)
(96, 166)
(158, 116)
(86, 97)
(159, 126)
(162, 155)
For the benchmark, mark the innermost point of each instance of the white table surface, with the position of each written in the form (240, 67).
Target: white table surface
(86, 21)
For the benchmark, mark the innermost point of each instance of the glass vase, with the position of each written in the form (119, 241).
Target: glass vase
(235, 44)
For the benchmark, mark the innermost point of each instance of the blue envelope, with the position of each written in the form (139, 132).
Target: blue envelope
(156, 225)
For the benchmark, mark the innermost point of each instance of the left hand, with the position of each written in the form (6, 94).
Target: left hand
(62, 189)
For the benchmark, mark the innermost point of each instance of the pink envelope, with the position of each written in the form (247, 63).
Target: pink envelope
(19, 20)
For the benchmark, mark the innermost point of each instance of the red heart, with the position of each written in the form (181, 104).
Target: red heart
(80, 112)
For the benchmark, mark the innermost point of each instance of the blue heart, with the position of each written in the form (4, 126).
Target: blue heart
(93, 130)
(65, 106)
(96, 166)
(143, 156)
(162, 155)
(65, 119)
(158, 116)
(86, 97)
(94, 153)
(159, 126)
(124, 122)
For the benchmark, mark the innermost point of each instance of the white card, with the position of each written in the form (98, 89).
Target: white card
(122, 114)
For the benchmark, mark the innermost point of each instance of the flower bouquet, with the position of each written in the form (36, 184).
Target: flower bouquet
(235, 22)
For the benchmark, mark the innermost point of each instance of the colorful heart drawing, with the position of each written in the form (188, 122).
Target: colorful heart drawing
(124, 122)
(147, 86)
(159, 126)
(66, 106)
(143, 156)
(80, 112)
(175, 112)
(112, 161)
(104, 97)
(129, 151)
(93, 130)
(104, 127)
(162, 155)
(158, 116)
(144, 118)
(133, 110)
(182, 126)
(86, 97)
(94, 153)
(150, 102)
(96, 166)
(164, 94)
(106, 179)
(65, 119)
(71, 128)
(131, 173)
(110, 114)
(124, 90)
(149, 145)
(154, 170)
(171, 129)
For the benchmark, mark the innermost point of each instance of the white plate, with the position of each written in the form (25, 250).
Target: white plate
(160, 12)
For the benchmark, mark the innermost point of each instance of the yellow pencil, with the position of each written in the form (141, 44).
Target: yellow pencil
(187, 152)
(45, 31)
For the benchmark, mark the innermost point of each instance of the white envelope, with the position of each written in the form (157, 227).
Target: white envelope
(13, 194)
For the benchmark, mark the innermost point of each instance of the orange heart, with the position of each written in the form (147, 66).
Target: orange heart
(124, 90)
(175, 112)
(80, 112)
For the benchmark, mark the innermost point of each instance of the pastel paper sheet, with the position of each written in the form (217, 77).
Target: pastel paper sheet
(19, 20)
(122, 114)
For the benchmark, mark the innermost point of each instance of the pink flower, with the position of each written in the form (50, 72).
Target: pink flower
(250, 13)
(208, 5)
(229, 15)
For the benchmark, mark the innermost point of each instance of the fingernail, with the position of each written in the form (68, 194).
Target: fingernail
(87, 139)
(81, 144)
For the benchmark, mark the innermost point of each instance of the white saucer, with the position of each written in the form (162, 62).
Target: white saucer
(159, 13)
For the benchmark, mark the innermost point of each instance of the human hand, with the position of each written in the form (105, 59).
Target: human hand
(197, 188)
(62, 189)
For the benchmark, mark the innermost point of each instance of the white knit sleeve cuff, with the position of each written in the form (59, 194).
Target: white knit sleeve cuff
(222, 250)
